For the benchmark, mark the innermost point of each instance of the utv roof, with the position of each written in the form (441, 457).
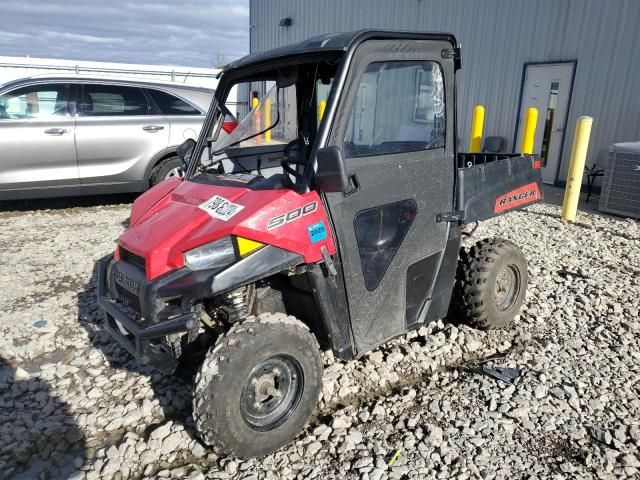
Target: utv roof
(332, 42)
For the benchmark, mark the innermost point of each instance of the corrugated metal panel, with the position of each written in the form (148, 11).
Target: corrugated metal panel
(498, 37)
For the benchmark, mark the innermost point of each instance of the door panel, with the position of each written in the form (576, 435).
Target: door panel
(185, 120)
(391, 126)
(547, 87)
(37, 138)
(117, 134)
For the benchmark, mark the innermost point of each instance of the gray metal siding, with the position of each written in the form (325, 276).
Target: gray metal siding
(498, 37)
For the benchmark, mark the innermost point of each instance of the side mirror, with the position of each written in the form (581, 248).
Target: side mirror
(185, 150)
(331, 175)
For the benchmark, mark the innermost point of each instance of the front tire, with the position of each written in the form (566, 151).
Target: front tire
(258, 386)
(167, 168)
(491, 283)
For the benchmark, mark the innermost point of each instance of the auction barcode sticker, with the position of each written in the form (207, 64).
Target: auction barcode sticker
(221, 208)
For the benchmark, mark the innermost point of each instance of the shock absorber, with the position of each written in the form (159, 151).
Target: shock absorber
(240, 303)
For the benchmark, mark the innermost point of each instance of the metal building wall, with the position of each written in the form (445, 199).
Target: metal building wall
(498, 37)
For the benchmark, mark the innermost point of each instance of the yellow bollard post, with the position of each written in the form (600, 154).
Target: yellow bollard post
(477, 124)
(576, 168)
(529, 131)
(267, 120)
(257, 119)
(321, 108)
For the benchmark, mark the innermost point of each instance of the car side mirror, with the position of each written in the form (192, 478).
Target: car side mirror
(185, 150)
(331, 175)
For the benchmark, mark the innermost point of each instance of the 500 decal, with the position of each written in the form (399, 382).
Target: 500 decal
(299, 212)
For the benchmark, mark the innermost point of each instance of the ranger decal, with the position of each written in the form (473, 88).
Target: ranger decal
(295, 214)
(515, 198)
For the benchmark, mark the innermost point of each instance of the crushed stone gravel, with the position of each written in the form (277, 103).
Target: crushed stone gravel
(73, 404)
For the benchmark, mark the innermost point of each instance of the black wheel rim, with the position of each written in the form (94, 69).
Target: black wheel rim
(271, 392)
(507, 287)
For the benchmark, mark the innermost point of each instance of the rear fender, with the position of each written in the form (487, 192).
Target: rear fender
(161, 155)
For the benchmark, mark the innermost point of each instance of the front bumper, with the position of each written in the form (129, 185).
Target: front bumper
(164, 307)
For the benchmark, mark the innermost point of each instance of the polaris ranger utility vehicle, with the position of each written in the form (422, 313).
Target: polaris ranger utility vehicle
(334, 228)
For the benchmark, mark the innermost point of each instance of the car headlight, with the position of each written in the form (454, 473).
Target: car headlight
(220, 253)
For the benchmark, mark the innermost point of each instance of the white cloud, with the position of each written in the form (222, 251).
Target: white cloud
(191, 32)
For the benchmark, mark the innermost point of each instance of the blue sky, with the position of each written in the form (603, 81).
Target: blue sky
(193, 33)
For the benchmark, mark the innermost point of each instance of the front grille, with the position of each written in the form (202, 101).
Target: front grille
(127, 298)
(130, 257)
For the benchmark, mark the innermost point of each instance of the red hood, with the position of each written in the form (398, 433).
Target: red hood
(178, 222)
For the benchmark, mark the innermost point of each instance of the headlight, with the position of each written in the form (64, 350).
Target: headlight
(215, 254)
(220, 253)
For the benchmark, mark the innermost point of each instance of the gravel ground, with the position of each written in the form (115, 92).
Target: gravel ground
(74, 405)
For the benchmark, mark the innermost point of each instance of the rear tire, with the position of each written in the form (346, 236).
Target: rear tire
(258, 386)
(491, 283)
(167, 168)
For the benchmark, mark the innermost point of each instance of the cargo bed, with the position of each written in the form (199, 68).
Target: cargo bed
(489, 185)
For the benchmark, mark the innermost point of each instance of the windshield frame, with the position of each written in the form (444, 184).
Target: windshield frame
(264, 71)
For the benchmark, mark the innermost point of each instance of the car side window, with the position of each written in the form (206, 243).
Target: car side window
(35, 101)
(171, 105)
(113, 100)
(399, 107)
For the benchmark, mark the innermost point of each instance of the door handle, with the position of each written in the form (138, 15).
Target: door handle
(560, 129)
(56, 131)
(152, 128)
(354, 185)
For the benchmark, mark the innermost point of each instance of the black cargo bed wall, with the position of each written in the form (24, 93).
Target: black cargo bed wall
(489, 185)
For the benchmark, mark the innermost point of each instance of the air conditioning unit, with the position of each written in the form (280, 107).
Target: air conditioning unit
(621, 185)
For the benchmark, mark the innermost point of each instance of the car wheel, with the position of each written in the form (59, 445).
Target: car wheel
(491, 283)
(258, 386)
(167, 168)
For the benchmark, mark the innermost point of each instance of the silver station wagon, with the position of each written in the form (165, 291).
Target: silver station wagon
(79, 135)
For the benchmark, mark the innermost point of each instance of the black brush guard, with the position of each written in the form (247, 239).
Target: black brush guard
(141, 341)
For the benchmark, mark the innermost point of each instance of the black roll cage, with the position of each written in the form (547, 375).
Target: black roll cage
(342, 46)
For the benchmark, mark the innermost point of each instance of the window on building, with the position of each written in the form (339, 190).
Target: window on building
(399, 107)
(171, 105)
(35, 101)
(112, 100)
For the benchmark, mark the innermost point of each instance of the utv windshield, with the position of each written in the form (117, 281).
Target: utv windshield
(265, 125)
(271, 121)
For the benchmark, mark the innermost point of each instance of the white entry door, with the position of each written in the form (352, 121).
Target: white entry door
(548, 88)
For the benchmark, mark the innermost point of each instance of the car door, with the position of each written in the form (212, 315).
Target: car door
(394, 124)
(37, 148)
(184, 118)
(117, 134)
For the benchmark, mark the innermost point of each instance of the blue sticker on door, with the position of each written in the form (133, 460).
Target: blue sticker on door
(317, 232)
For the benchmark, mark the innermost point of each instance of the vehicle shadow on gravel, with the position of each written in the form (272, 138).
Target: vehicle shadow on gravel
(66, 202)
(39, 437)
(173, 392)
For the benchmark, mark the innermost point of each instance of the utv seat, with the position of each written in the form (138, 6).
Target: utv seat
(494, 144)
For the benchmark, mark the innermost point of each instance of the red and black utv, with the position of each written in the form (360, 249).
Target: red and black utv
(329, 218)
